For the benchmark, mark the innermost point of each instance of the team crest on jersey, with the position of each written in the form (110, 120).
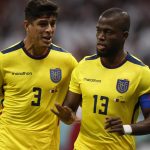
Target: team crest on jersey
(122, 85)
(55, 75)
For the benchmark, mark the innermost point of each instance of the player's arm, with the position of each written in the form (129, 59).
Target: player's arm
(67, 112)
(114, 124)
(143, 127)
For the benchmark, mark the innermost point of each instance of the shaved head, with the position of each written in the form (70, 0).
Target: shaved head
(112, 31)
(122, 17)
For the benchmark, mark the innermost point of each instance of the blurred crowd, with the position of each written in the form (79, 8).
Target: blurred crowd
(78, 19)
(76, 27)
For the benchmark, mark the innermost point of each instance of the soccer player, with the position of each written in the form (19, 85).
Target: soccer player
(111, 86)
(34, 73)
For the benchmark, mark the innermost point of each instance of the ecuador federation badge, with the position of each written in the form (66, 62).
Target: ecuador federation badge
(55, 75)
(122, 85)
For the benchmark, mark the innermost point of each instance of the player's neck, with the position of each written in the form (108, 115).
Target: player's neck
(114, 61)
(34, 50)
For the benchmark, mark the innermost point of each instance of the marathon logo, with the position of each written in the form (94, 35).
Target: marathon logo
(21, 73)
(92, 80)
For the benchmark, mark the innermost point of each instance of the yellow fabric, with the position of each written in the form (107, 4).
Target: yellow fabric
(103, 95)
(31, 89)
(18, 139)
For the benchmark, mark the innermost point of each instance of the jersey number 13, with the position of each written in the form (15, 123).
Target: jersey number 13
(100, 104)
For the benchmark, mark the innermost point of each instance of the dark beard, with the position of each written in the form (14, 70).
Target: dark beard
(104, 54)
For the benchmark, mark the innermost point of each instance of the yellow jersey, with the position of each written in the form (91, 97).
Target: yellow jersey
(108, 92)
(30, 86)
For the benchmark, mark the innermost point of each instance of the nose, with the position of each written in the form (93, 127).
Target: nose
(49, 28)
(101, 35)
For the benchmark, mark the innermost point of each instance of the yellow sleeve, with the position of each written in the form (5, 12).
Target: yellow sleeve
(75, 81)
(76, 78)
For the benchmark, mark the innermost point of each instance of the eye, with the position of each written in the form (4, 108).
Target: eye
(53, 24)
(43, 24)
(98, 30)
(108, 31)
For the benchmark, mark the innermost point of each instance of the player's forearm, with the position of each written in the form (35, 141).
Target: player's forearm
(73, 100)
(141, 128)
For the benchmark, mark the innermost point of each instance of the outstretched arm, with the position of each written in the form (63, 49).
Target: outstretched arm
(67, 112)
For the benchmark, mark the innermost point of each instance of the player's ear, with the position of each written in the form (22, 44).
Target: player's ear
(125, 34)
(26, 25)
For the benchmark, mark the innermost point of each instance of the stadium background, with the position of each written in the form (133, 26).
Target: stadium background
(76, 33)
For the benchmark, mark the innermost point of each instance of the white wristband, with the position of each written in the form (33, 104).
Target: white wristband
(127, 129)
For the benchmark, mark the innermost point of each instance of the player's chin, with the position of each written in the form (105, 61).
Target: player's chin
(45, 44)
(102, 53)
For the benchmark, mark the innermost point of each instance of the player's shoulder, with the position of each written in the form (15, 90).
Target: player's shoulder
(62, 52)
(63, 55)
(58, 48)
(134, 60)
(88, 59)
(86, 62)
(137, 64)
(12, 48)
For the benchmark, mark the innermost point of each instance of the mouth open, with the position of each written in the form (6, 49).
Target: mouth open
(47, 39)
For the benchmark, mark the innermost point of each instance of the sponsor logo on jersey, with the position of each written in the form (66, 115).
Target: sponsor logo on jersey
(55, 75)
(21, 73)
(92, 80)
(122, 85)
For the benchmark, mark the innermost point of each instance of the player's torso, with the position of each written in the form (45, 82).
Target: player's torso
(107, 92)
(32, 86)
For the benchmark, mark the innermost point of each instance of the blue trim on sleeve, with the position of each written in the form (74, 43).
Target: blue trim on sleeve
(92, 57)
(145, 101)
(13, 48)
(57, 48)
(134, 60)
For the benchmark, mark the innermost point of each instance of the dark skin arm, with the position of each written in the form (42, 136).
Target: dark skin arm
(114, 124)
(67, 112)
(142, 127)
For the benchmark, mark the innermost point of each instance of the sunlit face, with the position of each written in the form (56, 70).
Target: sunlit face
(41, 31)
(110, 38)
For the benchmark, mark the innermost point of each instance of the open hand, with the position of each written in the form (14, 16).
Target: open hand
(65, 114)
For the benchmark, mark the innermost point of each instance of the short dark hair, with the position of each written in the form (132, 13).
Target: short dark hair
(118, 12)
(37, 8)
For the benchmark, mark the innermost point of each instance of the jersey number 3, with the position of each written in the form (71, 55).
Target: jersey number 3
(37, 96)
(103, 104)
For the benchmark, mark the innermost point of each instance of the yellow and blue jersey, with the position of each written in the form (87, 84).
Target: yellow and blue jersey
(30, 86)
(108, 92)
